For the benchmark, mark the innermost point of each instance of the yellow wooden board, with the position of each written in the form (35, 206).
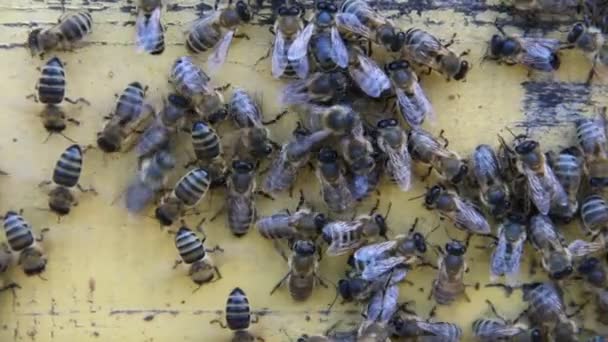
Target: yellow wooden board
(110, 276)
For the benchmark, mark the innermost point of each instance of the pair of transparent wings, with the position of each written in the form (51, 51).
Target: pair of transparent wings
(545, 189)
(399, 162)
(220, 51)
(149, 32)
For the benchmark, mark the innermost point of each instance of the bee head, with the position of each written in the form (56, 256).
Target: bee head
(396, 65)
(164, 160)
(218, 115)
(455, 248)
(60, 201)
(385, 123)
(326, 235)
(178, 101)
(243, 10)
(536, 335)
(419, 242)
(304, 248)
(432, 195)
(496, 45)
(576, 32)
(560, 267)
(386, 36)
(107, 144)
(327, 155)
(526, 147)
(342, 119)
(381, 223)
(463, 70)
(586, 266)
(325, 13)
(163, 216)
(320, 221)
(462, 173)
(33, 261)
(241, 166)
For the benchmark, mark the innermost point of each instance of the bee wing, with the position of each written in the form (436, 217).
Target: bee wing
(539, 53)
(369, 77)
(220, 52)
(512, 271)
(540, 196)
(294, 93)
(374, 307)
(279, 58)
(302, 67)
(400, 164)
(149, 31)
(389, 303)
(350, 22)
(339, 54)
(369, 253)
(207, 19)
(424, 50)
(299, 48)
(558, 194)
(498, 263)
(424, 104)
(410, 111)
(470, 219)
(438, 329)
(339, 247)
(485, 166)
(580, 248)
(138, 196)
(381, 266)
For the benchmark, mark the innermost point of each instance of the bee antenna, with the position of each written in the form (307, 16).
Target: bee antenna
(432, 230)
(47, 137)
(375, 207)
(448, 234)
(331, 305)
(417, 197)
(67, 138)
(388, 210)
(414, 225)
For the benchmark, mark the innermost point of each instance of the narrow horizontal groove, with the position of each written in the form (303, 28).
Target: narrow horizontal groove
(117, 312)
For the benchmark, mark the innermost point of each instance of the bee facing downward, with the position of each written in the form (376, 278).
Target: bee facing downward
(21, 240)
(193, 253)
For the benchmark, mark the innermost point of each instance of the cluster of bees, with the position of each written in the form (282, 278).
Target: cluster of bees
(329, 55)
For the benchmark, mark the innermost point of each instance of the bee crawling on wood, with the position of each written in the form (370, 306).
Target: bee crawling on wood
(193, 253)
(149, 30)
(490, 329)
(21, 240)
(70, 30)
(238, 317)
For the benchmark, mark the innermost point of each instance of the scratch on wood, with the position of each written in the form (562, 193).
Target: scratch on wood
(551, 104)
(151, 311)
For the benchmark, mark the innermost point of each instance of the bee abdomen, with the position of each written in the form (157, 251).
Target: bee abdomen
(241, 213)
(205, 141)
(188, 78)
(243, 108)
(594, 211)
(68, 167)
(193, 186)
(238, 313)
(190, 247)
(51, 86)
(130, 102)
(76, 26)
(18, 231)
(446, 293)
(588, 134)
(300, 287)
(202, 39)
(484, 327)
(275, 227)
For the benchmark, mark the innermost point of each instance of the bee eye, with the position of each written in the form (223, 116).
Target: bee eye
(283, 10)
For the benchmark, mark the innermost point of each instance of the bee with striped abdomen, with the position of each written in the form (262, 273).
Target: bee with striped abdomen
(319, 88)
(21, 240)
(334, 186)
(244, 110)
(412, 102)
(359, 155)
(191, 82)
(592, 42)
(591, 137)
(506, 258)
(216, 30)
(426, 149)
(355, 288)
(368, 76)
(355, 14)
(488, 175)
(594, 213)
(408, 325)
(490, 329)
(423, 48)
(545, 303)
(149, 30)
(131, 115)
(392, 140)
(239, 200)
(378, 314)
(568, 168)
(287, 27)
(65, 176)
(462, 213)
(188, 192)
(160, 132)
(150, 180)
(595, 276)
(544, 188)
(208, 150)
(70, 29)
(538, 54)
(193, 253)
(238, 317)
(303, 272)
(449, 283)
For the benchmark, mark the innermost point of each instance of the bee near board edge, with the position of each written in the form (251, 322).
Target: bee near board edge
(201, 268)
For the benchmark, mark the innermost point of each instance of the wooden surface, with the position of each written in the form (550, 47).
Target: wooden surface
(110, 276)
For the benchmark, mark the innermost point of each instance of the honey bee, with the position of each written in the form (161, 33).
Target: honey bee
(244, 109)
(544, 188)
(359, 289)
(592, 42)
(490, 329)
(238, 316)
(545, 303)
(547, 6)
(425, 148)
(594, 12)
(287, 27)
(293, 156)
(159, 133)
(406, 324)
(254, 144)
(412, 101)
(150, 180)
(65, 176)
(239, 200)
(208, 151)
(423, 48)
(334, 186)
(345, 236)
(358, 153)
(568, 169)
(539, 54)
(150, 33)
(21, 239)
(594, 213)
(192, 251)
(188, 192)
(322, 38)
(148, 6)
(191, 82)
(392, 140)
(367, 74)
(449, 285)
(70, 30)
(216, 30)
(488, 175)
(594, 274)
(356, 14)
(378, 314)
(591, 136)
(303, 271)
(506, 258)
(318, 88)
(461, 212)
(131, 115)
(331, 335)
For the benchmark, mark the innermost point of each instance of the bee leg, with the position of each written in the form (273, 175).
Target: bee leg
(493, 308)
(32, 96)
(73, 121)
(431, 292)
(450, 42)
(242, 35)
(428, 173)
(217, 271)
(280, 283)
(217, 321)
(279, 250)
(222, 209)
(265, 56)
(91, 189)
(80, 99)
(10, 286)
(264, 194)
(433, 311)
(217, 248)
(45, 183)
(321, 281)
(276, 119)
(42, 233)
(403, 307)
(224, 87)
(466, 296)
(590, 75)
(177, 263)
(446, 142)
(300, 201)
(428, 71)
